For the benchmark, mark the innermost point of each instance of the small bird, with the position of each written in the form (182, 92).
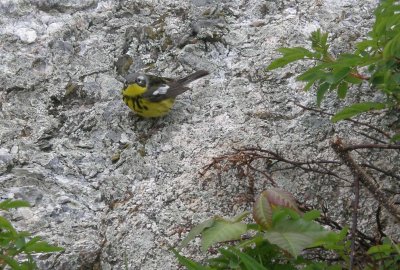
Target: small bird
(153, 96)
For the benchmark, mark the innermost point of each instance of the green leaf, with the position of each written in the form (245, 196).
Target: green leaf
(314, 74)
(353, 80)
(311, 215)
(319, 42)
(349, 60)
(309, 84)
(365, 44)
(392, 48)
(386, 249)
(6, 225)
(395, 138)
(356, 109)
(290, 55)
(342, 90)
(249, 262)
(190, 265)
(239, 217)
(296, 51)
(335, 241)
(230, 258)
(10, 261)
(35, 246)
(322, 89)
(282, 198)
(20, 242)
(295, 235)
(340, 74)
(197, 230)
(262, 211)
(222, 231)
(9, 203)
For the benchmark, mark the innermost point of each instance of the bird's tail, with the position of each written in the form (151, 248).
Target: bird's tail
(192, 77)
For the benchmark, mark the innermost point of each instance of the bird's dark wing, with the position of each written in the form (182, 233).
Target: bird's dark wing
(163, 88)
(164, 91)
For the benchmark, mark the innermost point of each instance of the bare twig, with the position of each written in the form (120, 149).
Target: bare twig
(371, 146)
(358, 172)
(372, 138)
(265, 174)
(388, 173)
(379, 223)
(350, 120)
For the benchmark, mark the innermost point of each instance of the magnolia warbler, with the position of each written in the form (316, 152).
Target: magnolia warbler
(153, 96)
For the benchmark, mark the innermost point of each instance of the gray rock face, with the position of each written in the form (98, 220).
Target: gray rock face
(116, 190)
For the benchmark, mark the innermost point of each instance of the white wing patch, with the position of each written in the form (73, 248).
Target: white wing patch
(162, 90)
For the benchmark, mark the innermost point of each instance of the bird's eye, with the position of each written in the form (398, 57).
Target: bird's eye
(141, 81)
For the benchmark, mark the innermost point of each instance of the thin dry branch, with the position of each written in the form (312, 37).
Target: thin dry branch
(358, 172)
(388, 173)
(371, 146)
(350, 120)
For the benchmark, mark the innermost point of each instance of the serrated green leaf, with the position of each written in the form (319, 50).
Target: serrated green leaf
(262, 211)
(319, 42)
(295, 235)
(9, 203)
(342, 90)
(197, 230)
(222, 231)
(356, 109)
(322, 89)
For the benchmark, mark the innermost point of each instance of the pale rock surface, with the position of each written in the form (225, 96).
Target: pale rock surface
(56, 148)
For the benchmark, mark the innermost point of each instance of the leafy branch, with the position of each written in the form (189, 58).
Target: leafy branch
(14, 243)
(282, 237)
(376, 61)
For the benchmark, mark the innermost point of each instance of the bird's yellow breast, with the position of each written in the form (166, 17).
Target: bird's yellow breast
(146, 108)
(133, 90)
